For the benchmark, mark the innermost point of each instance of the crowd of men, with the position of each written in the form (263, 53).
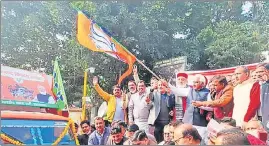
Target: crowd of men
(147, 115)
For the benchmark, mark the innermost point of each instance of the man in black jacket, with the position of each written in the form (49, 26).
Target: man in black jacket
(86, 129)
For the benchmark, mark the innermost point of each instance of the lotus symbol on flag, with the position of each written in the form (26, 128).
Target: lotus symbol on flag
(102, 41)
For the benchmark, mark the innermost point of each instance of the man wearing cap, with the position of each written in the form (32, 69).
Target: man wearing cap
(182, 83)
(262, 72)
(117, 138)
(131, 131)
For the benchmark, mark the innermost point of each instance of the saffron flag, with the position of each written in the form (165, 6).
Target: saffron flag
(58, 87)
(95, 38)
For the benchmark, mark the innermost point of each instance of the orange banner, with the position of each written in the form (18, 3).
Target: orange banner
(20, 87)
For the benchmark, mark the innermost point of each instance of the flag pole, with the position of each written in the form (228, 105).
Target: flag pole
(140, 62)
(83, 109)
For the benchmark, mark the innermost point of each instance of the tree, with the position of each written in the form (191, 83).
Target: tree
(36, 32)
(231, 44)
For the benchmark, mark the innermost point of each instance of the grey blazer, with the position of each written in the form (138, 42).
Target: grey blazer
(155, 110)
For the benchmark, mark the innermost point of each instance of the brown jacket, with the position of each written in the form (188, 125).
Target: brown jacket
(223, 103)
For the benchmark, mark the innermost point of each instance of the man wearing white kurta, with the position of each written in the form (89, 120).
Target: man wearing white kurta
(139, 107)
(181, 101)
(246, 97)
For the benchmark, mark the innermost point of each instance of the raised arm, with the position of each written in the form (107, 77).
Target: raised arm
(99, 90)
(136, 77)
(149, 101)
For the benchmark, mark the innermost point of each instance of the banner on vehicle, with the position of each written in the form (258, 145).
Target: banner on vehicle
(25, 88)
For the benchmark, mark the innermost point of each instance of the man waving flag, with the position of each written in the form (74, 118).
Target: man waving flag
(93, 37)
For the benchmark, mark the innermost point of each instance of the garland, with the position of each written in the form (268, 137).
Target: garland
(73, 130)
(70, 123)
(10, 140)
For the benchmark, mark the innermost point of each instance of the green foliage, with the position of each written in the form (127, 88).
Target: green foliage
(230, 43)
(213, 35)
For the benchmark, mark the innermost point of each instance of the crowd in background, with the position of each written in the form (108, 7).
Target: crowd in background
(148, 115)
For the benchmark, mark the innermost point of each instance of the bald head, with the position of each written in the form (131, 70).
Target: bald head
(186, 134)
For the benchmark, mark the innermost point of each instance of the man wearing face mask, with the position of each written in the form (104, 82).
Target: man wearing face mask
(139, 107)
(114, 102)
(162, 111)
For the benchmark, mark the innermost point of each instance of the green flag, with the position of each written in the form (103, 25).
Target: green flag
(58, 88)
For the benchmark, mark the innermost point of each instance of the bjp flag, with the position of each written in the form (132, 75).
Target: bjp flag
(93, 37)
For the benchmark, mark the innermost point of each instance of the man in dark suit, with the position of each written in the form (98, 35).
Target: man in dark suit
(86, 129)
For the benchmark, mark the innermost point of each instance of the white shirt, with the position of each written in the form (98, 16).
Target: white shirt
(119, 115)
